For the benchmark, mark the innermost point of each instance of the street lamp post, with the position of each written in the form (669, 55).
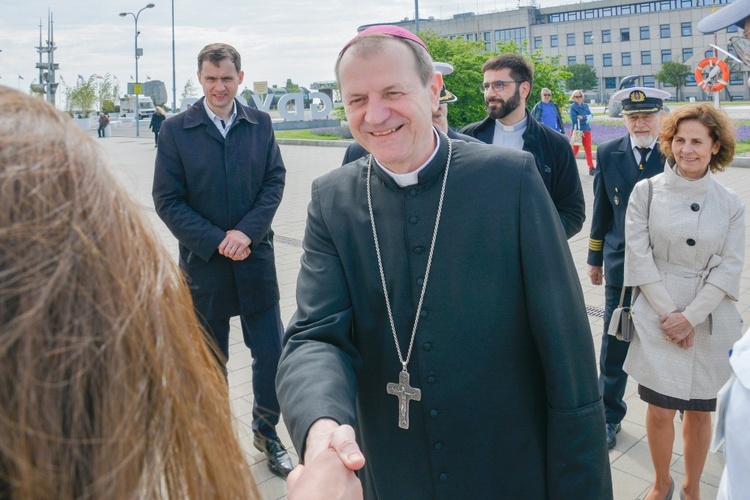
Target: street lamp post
(137, 104)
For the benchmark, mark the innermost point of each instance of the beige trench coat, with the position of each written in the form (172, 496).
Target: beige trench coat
(693, 234)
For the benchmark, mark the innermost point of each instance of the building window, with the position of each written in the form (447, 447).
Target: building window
(589, 60)
(732, 29)
(690, 81)
(571, 60)
(645, 57)
(664, 31)
(537, 42)
(588, 38)
(606, 36)
(610, 82)
(710, 53)
(648, 81)
(666, 55)
(687, 29)
(472, 37)
(645, 34)
(687, 54)
(571, 39)
(626, 58)
(736, 78)
(553, 41)
(517, 35)
(624, 34)
(607, 60)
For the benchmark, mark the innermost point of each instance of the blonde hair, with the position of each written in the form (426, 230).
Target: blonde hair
(574, 93)
(107, 386)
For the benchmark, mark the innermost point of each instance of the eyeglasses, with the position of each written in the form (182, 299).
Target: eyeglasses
(577, 96)
(741, 48)
(497, 86)
(546, 95)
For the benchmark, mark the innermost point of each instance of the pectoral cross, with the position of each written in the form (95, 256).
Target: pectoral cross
(405, 393)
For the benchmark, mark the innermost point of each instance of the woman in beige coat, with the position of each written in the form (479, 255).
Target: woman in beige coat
(685, 236)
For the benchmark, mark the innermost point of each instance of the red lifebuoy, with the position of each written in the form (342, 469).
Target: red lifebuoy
(713, 83)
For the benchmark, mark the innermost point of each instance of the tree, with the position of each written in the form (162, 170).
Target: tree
(673, 73)
(548, 74)
(467, 59)
(583, 77)
(291, 87)
(104, 93)
(82, 97)
(189, 90)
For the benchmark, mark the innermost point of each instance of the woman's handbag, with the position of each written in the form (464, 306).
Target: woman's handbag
(576, 135)
(621, 324)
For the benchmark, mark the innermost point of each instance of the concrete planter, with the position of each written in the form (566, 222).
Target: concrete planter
(84, 123)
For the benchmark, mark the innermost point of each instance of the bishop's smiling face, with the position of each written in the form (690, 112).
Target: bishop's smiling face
(388, 108)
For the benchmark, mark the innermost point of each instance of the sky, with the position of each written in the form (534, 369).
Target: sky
(297, 39)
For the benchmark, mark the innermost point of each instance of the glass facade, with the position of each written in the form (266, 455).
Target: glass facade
(625, 10)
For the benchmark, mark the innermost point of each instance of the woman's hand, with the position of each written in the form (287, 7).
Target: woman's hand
(678, 329)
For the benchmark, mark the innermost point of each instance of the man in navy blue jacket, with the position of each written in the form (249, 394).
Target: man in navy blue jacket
(218, 181)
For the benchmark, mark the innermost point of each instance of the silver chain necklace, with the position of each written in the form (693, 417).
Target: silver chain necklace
(402, 389)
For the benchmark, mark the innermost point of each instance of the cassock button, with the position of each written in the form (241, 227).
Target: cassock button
(424, 313)
(427, 346)
(420, 281)
(433, 413)
(443, 476)
(439, 445)
(431, 379)
(418, 250)
(413, 219)
(690, 242)
(695, 207)
(413, 192)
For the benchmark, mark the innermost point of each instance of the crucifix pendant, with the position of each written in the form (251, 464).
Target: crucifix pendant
(405, 393)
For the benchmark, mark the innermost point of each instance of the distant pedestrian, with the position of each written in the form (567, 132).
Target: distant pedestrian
(580, 116)
(156, 120)
(547, 112)
(103, 123)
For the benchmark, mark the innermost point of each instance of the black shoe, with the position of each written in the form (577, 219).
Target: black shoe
(277, 456)
(612, 430)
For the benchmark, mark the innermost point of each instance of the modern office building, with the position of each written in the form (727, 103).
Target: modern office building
(616, 37)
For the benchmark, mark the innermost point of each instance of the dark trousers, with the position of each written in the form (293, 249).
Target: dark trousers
(612, 378)
(100, 130)
(262, 333)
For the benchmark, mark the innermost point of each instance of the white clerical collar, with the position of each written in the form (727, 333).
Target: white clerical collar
(512, 128)
(411, 178)
(221, 124)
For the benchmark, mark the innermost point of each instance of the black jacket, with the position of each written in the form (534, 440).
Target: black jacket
(616, 175)
(556, 164)
(205, 185)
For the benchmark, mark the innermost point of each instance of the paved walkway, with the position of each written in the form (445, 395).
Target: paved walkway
(132, 160)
